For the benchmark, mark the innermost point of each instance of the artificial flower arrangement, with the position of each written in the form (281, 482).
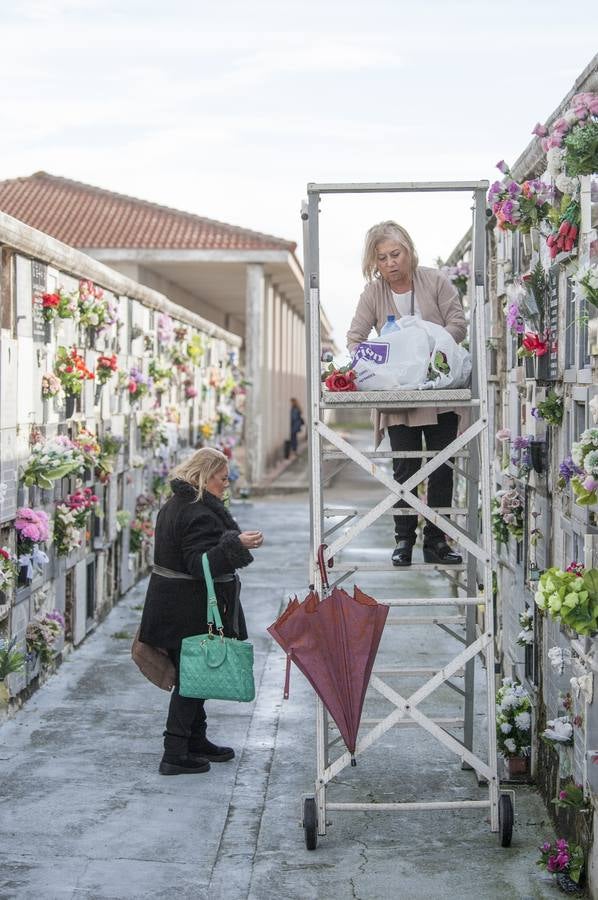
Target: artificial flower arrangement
(586, 283)
(584, 454)
(571, 796)
(123, 517)
(95, 309)
(139, 384)
(70, 520)
(206, 429)
(558, 732)
(564, 860)
(195, 349)
(106, 366)
(153, 431)
(165, 329)
(339, 379)
(521, 455)
(550, 409)
(526, 635)
(51, 386)
(11, 660)
(70, 368)
(141, 533)
(110, 446)
(513, 719)
(9, 568)
(518, 206)
(161, 375)
(458, 275)
(53, 459)
(33, 528)
(574, 135)
(571, 597)
(89, 446)
(190, 390)
(59, 305)
(41, 635)
(533, 345)
(507, 515)
(565, 233)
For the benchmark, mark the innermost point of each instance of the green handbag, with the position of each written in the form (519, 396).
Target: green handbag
(214, 667)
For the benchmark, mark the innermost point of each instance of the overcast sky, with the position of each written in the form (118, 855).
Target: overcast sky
(228, 109)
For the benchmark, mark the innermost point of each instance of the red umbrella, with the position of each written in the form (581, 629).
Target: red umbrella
(334, 643)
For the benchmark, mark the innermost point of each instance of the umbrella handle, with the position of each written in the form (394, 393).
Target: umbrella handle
(322, 566)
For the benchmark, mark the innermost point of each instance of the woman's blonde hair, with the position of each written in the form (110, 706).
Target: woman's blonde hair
(385, 231)
(199, 468)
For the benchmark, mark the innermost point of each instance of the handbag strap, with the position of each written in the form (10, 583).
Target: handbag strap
(213, 611)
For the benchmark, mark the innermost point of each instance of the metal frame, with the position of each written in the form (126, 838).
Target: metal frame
(476, 543)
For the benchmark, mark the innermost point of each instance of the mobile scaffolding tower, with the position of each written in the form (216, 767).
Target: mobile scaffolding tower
(472, 447)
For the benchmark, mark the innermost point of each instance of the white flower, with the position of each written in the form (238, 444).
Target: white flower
(510, 745)
(565, 184)
(577, 454)
(506, 727)
(523, 721)
(559, 730)
(526, 636)
(554, 161)
(570, 117)
(594, 407)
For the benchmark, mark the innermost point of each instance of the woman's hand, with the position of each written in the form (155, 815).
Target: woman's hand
(251, 539)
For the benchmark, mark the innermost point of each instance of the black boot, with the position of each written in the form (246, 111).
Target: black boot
(172, 764)
(402, 554)
(440, 552)
(200, 747)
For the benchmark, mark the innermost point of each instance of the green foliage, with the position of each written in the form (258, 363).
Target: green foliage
(570, 598)
(10, 659)
(581, 150)
(551, 409)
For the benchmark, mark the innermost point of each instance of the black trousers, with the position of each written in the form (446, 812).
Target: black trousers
(186, 716)
(440, 482)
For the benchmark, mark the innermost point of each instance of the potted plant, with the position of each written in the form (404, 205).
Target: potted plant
(565, 861)
(33, 528)
(53, 459)
(11, 660)
(513, 726)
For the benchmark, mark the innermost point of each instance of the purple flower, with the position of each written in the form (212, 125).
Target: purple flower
(502, 167)
(536, 413)
(568, 469)
(521, 442)
(513, 188)
(546, 847)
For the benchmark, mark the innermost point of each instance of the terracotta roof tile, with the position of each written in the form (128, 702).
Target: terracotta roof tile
(85, 216)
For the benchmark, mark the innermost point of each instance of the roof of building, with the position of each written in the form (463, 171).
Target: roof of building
(85, 216)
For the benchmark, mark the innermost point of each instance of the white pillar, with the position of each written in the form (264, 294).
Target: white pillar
(254, 339)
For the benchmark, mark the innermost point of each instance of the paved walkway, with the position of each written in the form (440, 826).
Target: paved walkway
(86, 815)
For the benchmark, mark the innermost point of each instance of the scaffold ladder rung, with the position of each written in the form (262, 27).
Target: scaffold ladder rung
(432, 601)
(333, 512)
(426, 620)
(388, 567)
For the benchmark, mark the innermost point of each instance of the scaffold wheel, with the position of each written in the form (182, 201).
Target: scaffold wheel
(505, 819)
(310, 823)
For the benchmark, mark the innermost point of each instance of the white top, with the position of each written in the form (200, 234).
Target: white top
(403, 304)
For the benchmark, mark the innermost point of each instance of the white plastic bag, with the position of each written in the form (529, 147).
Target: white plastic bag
(398, 360)
(449, 363)
(419, 354)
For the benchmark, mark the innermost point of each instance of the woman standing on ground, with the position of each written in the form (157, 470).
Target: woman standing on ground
(296, 423)
(192, 522)
(397, 285)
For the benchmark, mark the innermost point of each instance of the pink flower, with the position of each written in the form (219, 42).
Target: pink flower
(540, 130)
(504, 434)
(502, 166)
(590, 483)
(561, 126)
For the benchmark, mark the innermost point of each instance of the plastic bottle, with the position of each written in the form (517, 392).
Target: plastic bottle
(389, 325)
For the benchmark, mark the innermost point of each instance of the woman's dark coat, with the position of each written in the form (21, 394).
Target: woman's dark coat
(185, 530)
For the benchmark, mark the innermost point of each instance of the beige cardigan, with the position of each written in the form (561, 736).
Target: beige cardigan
(438, 302)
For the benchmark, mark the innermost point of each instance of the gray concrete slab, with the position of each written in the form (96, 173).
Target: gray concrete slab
(86, 815)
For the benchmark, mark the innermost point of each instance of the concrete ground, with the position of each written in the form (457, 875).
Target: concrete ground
(85, 814)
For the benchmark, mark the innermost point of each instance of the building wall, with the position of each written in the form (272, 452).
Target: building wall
(86, 583)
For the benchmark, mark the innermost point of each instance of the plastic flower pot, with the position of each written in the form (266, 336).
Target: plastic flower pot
(538, 454)
(69, 406)
(517, 765)
(567, 885)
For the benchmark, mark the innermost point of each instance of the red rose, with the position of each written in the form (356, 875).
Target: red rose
(132, 387)
(534, 344)
(339, 382)
(50, 300)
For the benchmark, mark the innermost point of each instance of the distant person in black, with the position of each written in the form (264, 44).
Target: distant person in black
(297, 423)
